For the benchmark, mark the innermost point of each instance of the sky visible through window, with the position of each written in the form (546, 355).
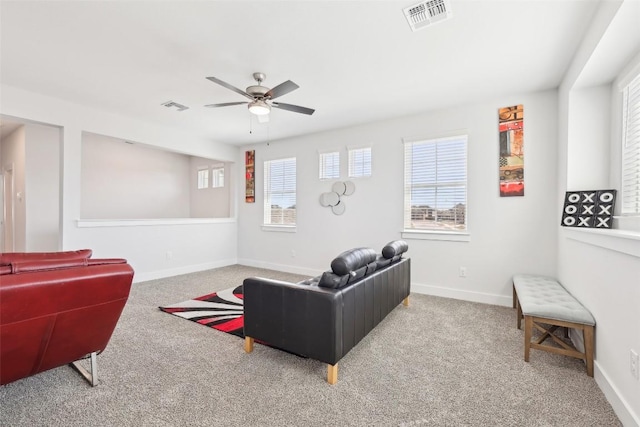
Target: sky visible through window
(437, 168)
(282, 185)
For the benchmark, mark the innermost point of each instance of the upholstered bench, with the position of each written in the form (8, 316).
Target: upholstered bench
(543, 301)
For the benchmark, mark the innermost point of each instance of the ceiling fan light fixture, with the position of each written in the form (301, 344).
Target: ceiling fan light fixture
(259, 108)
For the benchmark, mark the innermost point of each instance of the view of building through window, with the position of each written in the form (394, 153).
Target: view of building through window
(436, 184)
(280, 192)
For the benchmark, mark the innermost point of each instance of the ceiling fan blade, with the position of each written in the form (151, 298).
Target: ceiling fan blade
(294, 108)
(224, 104)
(281, 89)
(230, 87)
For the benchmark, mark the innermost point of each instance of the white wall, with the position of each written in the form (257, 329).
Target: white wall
(589, 138)
(192, 246)
(601, 268)
(42, 188)
(508, 235)
(122, 180)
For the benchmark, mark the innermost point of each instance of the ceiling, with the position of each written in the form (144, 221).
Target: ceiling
(355, 61)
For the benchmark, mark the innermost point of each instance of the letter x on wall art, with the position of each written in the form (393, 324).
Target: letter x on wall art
(588, 209)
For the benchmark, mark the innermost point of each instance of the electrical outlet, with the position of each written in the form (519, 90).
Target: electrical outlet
(293, 253)
(462, 272)
(169, 254)
(633, 359)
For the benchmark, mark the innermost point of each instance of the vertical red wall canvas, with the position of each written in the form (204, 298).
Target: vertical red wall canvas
(250, 176)
(511, 128)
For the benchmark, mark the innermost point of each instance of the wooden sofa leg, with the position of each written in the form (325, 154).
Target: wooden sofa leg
(405, 302)
(248, 344)
(587, 333)
(332, 374)
(528, 329)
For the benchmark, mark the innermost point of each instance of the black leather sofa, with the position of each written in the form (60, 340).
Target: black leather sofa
(325, 317)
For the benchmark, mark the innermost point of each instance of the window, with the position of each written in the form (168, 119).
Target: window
(217, 176)
(329, 165)
(203, 178)
(435, 184)
(631, 148)
(280, 192)
(359, 162)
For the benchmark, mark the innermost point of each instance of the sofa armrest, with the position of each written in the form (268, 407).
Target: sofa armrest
(305, 320)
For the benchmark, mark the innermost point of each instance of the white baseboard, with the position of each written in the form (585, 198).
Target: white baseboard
(279, 267)
(460, 294)
(160, 274)
(620, 406)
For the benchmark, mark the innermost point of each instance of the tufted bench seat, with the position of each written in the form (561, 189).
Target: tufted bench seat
(543, 301)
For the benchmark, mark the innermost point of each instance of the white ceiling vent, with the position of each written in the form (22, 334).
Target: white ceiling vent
(428, 12)
(170, 104)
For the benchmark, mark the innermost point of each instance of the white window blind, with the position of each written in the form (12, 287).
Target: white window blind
(280, 191)
(203, 178)
(217, 177)
(359, 162)
(631, 148)
(329, 165)
(435, 184)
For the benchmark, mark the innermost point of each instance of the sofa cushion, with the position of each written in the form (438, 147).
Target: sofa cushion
(352, 260)
(395, 248)
(382, 262)
(333, 281)
(313, 281)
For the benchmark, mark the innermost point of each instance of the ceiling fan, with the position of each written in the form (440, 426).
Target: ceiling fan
(262, 97)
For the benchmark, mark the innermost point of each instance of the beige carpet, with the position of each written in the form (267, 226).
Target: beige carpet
(438, 362)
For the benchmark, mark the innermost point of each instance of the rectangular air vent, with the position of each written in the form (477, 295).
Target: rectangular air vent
(428, 12)
(170, 104)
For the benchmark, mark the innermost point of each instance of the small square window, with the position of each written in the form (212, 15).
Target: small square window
(203, 178)
(217, 176)
(329, 165)
(360, 162)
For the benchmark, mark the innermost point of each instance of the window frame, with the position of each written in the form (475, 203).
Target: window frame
(434, 233)
(353, 150)
(219, 182)
(322, 165)
(202, 180)
(268, 194)
(630, 154)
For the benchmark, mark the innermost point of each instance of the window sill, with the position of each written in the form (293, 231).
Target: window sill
(448, 236)
(280, 228)
(91, 223)
(624, 241)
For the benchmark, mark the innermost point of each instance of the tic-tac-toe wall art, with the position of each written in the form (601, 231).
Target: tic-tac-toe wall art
(511, 127)
(588, 209)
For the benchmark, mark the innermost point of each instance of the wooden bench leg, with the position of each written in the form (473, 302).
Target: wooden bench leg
(405, 302)
(248, 344)
(514, 296)
(528, 329)
(519, 314)
(587, 333)
(332, 374)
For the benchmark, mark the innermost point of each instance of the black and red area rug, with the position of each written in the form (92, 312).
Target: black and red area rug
(221, 310)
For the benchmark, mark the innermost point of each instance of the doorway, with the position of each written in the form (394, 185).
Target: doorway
(7, 226)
